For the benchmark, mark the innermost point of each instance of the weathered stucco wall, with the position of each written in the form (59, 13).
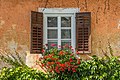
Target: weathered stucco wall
(15, 22)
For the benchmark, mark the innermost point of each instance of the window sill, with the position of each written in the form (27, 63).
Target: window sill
(84, 52)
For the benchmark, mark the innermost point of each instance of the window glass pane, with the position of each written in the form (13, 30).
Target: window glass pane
(66, 33)
(52, 21)
(52, 43)
(65, 21)
(65, 42)
(52, 33)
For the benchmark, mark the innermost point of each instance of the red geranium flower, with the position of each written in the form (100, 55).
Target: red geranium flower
(70, 47)
(71, 60)
(61, 53)
(53, 45)
(46, 45)
(57, 62)
(62, 69)
(57, 70)
(62, 65)
(66, 45)
(42, 65)
(78, 61)
(67, 63)
(43, 50)
(75, 66)
(73, 69)
(49, 63)
(69, 69)
(53, 59)
(52, 63)
(56, 67)
(71, 54)
(77, 52)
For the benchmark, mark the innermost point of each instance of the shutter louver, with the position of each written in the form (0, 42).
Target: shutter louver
(36, 32)
(83, 31)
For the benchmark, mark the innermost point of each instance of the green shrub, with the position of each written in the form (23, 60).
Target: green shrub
(21, 73)
(18, 70)
(100, 69)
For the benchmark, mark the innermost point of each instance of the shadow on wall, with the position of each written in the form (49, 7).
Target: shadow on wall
(11, 57)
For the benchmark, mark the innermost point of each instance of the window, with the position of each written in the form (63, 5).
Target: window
(58, 28)
(61, 26)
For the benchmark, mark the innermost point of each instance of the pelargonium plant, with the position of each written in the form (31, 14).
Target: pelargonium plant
(59, 61)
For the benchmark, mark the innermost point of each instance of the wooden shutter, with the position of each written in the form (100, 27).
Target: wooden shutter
(83, 31)
(36, 32)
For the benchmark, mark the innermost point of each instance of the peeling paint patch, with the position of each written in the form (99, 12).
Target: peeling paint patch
(119, 24)
(2, 22)
(24, 31)
(24, 48)
(14, 26)
(12, 45)
(118, 44)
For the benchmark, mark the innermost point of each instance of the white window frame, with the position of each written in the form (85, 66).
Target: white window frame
(60, 12)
